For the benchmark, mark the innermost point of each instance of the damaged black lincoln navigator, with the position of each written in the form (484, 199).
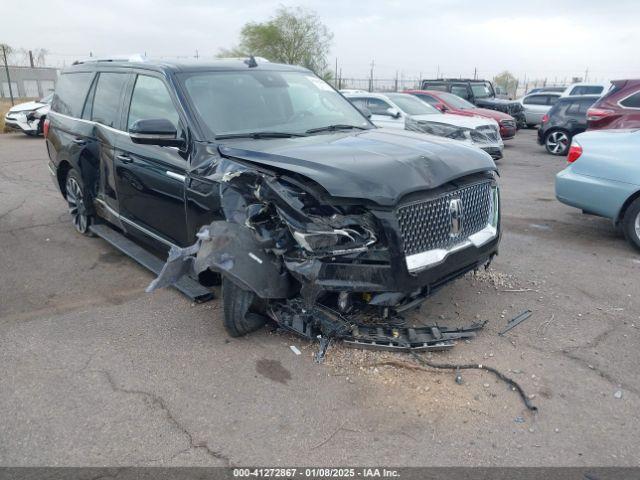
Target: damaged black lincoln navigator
(265, 175)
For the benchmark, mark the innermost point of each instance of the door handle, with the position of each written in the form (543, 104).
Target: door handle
(176, 176)
(79, 141)
(124, 158)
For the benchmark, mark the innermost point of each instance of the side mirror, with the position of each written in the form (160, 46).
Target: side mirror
(393, 112)
(442, 107)
(155, 131)
(364, 111)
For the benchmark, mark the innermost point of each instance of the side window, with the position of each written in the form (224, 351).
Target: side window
(359, 102)
(552, 99)
(151, 99)
(632, 101)
(535, 100)
(377, 106)
(107, 98)
(460, 91)
(70, 93)
(573, 109)
(586, 105)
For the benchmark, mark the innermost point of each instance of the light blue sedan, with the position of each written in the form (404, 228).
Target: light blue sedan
(603, 178)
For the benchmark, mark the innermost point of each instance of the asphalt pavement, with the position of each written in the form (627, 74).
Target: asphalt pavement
(94, 371)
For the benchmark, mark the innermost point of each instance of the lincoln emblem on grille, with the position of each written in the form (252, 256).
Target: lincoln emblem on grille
(455, 213)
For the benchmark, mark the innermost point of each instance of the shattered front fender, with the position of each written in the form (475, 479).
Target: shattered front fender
(232, 250)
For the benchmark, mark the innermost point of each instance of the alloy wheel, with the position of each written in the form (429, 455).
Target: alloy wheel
(77, 208)
(636, 225)
(557, 143)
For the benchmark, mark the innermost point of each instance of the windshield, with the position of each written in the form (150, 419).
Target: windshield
(455, 101)
(46, 99)
(481, 90)
(237, 102)
(412, 105)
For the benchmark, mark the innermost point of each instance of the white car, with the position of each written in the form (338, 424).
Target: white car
(28, 117)
(585, 88)
(535, 105)
(402, 110)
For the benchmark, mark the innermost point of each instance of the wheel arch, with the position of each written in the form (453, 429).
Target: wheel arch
(625, 206)
(64, 167)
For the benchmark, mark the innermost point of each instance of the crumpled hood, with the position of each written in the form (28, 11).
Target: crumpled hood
(455, 120)
(27, 106)
(380, 165)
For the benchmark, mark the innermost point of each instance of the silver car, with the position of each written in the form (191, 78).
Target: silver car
(536, 105)
(28, 117)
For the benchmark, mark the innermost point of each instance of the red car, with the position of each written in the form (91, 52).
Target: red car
(619, 108)
(450, 103)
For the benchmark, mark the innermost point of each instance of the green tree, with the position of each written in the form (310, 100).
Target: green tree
(295, 36)
(507, 81)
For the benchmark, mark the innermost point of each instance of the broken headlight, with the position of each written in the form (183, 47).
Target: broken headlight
(339, 241)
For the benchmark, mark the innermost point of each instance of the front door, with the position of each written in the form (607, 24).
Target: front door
(381, 116)
(151, 179)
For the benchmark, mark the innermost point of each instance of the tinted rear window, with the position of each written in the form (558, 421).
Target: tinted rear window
(435, 86)
(70, 93)
(587, 90)
(632, 101)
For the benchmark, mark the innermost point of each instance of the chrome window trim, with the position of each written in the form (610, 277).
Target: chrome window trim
(134, 224)
(91, 122)
(623, 99)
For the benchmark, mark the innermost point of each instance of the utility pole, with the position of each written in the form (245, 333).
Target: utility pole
(31, 58)
(371, 76)
(475, 73)
(6, 69)
(197, 56)
(586, 74)
(396, 85)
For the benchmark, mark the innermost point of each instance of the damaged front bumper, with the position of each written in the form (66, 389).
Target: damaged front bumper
(345, 272)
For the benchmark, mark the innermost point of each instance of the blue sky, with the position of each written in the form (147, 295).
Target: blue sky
(557, 39)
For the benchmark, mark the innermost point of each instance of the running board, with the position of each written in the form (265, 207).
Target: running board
(186, 285)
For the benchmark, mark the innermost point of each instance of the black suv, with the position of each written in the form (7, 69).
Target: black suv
(568, 117)
(267, 175)
(479, 92)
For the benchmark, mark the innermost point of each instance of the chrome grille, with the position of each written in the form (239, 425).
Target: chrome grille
(428, 225)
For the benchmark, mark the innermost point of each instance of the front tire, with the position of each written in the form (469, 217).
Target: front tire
(77, 201)
(240, 309)
(557, 142)
(631, 224)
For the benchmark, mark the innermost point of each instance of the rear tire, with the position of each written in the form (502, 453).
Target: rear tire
(631, 224)
(240, 315)
(77, 201)
(557, 142)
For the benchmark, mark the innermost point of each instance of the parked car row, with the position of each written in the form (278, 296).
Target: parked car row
(603, 173)
(28, 117)
(407, 112)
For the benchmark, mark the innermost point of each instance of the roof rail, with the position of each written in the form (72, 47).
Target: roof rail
(136, 57)
(242, 59)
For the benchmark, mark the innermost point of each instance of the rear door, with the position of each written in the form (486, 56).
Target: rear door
(70, 139)
(104, 108)
(150, 179)
(535, 106)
